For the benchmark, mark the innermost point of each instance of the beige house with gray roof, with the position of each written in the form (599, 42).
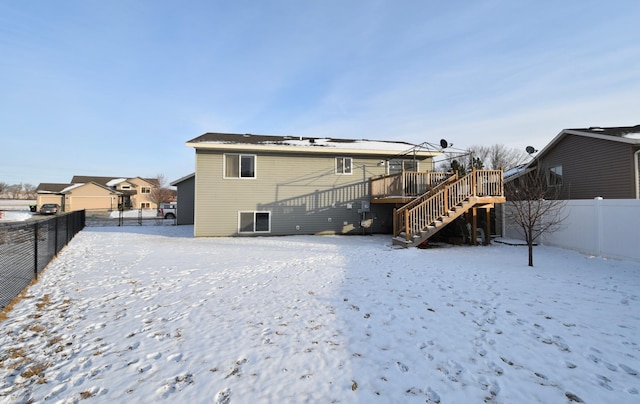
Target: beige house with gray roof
(98, 193)
(282, 185)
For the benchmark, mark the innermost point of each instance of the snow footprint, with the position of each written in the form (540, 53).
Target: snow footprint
(432, 396)
(402, 367)
(629, 370)
(176, 383)
(223, 396)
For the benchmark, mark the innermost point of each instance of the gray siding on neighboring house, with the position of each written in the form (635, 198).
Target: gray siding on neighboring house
(302, 192)
(593, 168)
(186, 195)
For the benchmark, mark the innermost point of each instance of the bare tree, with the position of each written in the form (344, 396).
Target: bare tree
(534, 207)
(161, 193)
(13, 191)
(498, 156)
(3, 187)
(502, 157)
(492, 157)
(30, 191)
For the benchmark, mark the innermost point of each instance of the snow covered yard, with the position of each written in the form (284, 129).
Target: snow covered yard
(149, 314)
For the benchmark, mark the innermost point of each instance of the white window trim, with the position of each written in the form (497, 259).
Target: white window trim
(336, 166)
(239, 177)
(561, 176)
(240, 212)
(142, 189)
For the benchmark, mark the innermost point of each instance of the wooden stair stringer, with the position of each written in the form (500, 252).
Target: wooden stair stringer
(434, 227)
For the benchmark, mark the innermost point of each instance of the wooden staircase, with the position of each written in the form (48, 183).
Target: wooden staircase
(428, 213)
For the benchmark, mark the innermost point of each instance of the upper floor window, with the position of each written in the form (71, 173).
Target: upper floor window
(239, 166)
(344, 165)
(555, 176)
(145, 190)
(398, 166)
(125, 187)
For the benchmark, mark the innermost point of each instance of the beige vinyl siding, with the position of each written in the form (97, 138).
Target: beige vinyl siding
(139, 198)
(90, 196)
(302, 192)
(48, 198)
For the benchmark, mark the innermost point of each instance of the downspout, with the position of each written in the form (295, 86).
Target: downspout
(636, 155)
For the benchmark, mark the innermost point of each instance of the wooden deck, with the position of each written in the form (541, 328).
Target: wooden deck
(433, 200)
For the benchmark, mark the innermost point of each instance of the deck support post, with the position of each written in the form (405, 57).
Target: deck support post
(395, 224)
(406, 225)
(487, 226)
(474, 226)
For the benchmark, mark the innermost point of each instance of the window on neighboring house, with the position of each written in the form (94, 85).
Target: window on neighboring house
(239, 166)
(145, 205)
(254, 222)
(125, 187)
(145, 190)
(555, 176)
(344, 165)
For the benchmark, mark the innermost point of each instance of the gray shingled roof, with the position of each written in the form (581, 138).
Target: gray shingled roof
(270, 139)
(51, 187)
(619, 131)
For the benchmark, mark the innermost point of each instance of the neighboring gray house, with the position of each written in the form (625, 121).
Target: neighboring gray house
(283, 185)
(186, 196)
(592, 162)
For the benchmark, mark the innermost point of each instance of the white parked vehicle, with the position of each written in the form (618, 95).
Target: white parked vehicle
(167, 210)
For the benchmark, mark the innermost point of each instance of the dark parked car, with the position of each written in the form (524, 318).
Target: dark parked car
(49, 209)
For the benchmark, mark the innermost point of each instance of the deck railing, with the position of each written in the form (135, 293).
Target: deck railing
(406, 184)
(414, 217)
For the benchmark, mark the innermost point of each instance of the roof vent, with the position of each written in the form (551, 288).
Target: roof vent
(596, 128)
(247, 135)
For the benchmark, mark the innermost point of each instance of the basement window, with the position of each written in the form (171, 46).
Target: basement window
(254, 222)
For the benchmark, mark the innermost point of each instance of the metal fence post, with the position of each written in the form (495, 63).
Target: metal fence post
(35, 249)
(55, 236)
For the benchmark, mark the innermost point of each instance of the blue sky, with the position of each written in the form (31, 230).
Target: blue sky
(116, 87)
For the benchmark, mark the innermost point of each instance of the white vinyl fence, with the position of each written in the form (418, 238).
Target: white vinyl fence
(605, 228)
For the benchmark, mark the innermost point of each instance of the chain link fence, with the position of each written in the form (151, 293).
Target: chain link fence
(27, 248)
(129, 217)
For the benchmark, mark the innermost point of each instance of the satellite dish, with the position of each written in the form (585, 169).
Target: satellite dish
(530, 150)
(444, 144)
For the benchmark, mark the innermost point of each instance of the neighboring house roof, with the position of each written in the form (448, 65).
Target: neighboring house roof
(515, 172)
(185, 178)
(51, 188)
(295, 144)
(115, 182)
(81, 179)
(109, 181)
(624, 134)
(48, 188)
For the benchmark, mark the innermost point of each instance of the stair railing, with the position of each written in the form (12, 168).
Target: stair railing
(399, 217)
(416, 215)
